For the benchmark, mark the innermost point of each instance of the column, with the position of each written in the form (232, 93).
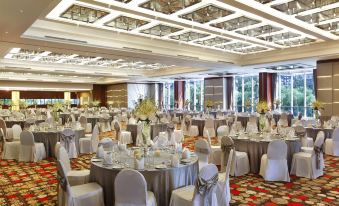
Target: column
(179, 93)
(15, 100)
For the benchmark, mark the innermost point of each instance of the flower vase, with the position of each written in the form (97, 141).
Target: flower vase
(146, 132)
(262, 122)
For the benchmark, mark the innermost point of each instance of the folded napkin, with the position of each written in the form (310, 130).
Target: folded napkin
(186, 153)
(174, 161)
(100, 152)
(139, 164)
(108, 158)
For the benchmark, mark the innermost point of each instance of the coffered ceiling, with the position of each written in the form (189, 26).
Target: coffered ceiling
(107, 41)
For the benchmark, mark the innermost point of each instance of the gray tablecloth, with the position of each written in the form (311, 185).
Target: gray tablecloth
(255, 149)
(64, 117)
(51, 138)
(10, 123)
(160, 182)
(243, 120)
(133, 128)
(201, 124)
(312, 132)
(94, 120)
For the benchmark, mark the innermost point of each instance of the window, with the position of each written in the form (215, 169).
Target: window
(245, 89)
(295, 92)
(168, 90)
(194, 92)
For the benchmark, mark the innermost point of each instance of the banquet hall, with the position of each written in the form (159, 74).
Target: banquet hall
(169, 102)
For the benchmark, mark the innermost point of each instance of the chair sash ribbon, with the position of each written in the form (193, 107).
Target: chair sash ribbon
(117, 129)
(62, 181)
(317, 151)
(66, 141)
(187, 123)
(227, 145)
(204, 188)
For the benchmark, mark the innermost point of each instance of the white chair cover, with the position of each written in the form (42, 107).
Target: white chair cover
(67, 140)
(3, 127)
(10, 150)
(29, 150)
(16, 132)
(332, 145)
(90, 144)
(223, 186)
(107, 144)
(203, 150)
(132, 121)
(273, 165)
(204, 193)
(209, 126)
(130, 189)
(309, 165)
(81, 195)
(222, 131)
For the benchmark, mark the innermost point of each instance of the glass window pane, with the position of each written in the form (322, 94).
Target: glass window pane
(298, 94)
(309, 94)
(255, 91)
(197, 96)
(247, 91)
(191, 83)
(238, 93)
(285, 92)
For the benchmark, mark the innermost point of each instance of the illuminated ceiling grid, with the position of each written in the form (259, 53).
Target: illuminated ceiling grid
(74, 59)
(182, 20)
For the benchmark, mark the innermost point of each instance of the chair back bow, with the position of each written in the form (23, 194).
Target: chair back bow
(317, 151)
(205, 188)
(227, 144)
(117, 129)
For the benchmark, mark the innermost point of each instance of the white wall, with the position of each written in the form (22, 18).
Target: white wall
(135, 90)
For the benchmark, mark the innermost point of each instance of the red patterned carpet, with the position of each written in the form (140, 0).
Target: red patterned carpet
(35, 184)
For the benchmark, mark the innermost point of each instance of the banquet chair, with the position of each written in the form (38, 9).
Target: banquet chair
(89, 194)
(273, 166)
(84, 124)
(90, 144)
(222, 131)
(10, 150)
(223, 185)
(107, 143)
(193, 195)
(67, 140)
(283, 121)
(162, 140)
(4, 128)
(309, 165)
(309, 149)
(75, 177)
(132, 121)
(203, 151)
(49, 120)
(209, 126)
(215, 156)
(300, 131)
(175, 119)
(185, 124)
(16, 132)
(332, 145)
(30, 150)
(124, 137)
(130, 188)
(193, 130)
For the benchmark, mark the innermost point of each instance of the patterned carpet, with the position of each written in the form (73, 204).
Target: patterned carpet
(35, 184)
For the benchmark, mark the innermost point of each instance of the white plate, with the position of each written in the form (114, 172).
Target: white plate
(96, 160)
(185, 160)
(117, 167)
(161, 166)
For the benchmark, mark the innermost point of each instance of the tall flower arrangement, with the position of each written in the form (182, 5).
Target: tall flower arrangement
(145, 108)
(317, 106)
(248, 104)
(209, 103)
(262, 107)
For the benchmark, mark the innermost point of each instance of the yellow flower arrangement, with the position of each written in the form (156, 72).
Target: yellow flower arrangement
(209, 103)
(317, 105)
(187, 102)
(145, 108)
(248, 103)
(262, 107)
(96, 103)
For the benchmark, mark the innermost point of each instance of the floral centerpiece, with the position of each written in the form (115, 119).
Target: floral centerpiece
(277, 103)
(209, 103)
(144, 109)
(317, 106)
(67, 103)
(96, 103)
(56, 108)
(187, 104)
(262, 108)
(110, 104)
(23, 104)
(248, 104)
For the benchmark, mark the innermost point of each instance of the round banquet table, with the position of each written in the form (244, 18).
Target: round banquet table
(243, 119)
(64, 117)
(94, 119)
(312, 132)
(201, 124)
(10, 123)
(255, 149)
(160, 181)
(50, 138)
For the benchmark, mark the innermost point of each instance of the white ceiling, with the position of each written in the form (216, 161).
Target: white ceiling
(226, 43)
